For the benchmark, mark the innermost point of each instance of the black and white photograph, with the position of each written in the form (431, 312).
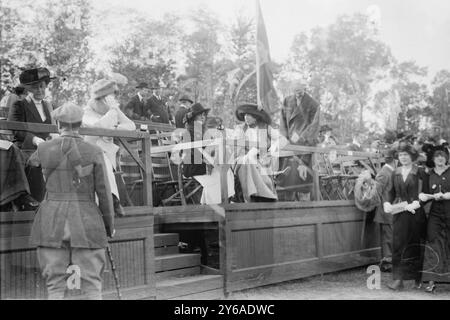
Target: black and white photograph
(232, 153)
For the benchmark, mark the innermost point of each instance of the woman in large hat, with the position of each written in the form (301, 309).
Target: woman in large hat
(254, 166)
(409, 226)
(103, 111)
(436, 266)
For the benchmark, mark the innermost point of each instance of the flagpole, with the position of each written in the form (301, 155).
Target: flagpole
(258, 62)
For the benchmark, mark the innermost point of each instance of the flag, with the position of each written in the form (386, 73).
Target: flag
(267, 96)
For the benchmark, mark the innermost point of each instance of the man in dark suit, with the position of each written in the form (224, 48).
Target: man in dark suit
(33, 109)
(384, 187)
(300, 125)
(69, 228)
(156, 107)
(185, 106)
(136, 107)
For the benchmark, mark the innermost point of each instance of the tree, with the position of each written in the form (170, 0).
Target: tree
(440, 112)
(340, 63)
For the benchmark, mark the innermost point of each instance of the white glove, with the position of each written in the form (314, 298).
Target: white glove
(37, 141)
(302, 171)
(446, 196)
(438, 196)
(411, 208)
(423, 197)
(387, 207)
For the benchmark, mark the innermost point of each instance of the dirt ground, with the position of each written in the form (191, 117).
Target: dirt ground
(346, 285)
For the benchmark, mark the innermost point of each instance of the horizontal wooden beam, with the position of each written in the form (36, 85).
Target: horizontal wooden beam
(48, 128)
(154, 126)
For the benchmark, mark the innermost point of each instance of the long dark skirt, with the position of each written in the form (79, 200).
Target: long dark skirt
(408, 245)
(437, 250)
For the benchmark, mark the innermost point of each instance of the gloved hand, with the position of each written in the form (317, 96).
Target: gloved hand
(411, 208)
(438, 196)
(37, 141)
(423, 197)
(302, 171)
(446, 196)
(387, 207)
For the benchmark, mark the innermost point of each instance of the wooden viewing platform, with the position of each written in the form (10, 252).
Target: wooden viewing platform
(258, 243)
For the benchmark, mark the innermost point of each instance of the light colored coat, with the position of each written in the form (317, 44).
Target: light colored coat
(111, 120)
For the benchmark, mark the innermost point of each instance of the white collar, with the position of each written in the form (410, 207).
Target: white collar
(37, 103)
(389, 166)
(140, 97)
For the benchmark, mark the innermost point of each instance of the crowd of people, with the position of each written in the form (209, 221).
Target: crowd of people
(55, 173)
(413, 197)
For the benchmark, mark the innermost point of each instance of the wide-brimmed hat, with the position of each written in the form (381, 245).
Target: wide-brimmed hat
(252, 109)
(441, 150)
(196, 109)
(103, 87)
(36, 75)
(406, 147)
(325, 128)
(142, 85)
(68, 113)
(185, 98)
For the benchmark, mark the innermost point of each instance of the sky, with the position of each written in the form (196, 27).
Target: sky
(416, 30)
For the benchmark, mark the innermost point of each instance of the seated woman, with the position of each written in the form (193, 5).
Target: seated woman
(103, 111)
(253, 166)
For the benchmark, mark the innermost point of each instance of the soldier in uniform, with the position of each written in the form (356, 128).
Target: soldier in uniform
(69, 227)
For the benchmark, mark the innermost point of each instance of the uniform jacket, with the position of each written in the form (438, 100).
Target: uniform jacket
(158, 109)
(25, 111)
(384, 187)
(70, 196)
(138, 107)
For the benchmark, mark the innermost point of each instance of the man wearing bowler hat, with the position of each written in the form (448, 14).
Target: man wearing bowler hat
(185, 107)
(33, 109)
(156, 108)
(136, 106)
(69, 228)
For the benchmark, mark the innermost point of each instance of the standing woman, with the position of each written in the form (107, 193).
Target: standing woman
(103, 112)
(409, 226)
(436, 266)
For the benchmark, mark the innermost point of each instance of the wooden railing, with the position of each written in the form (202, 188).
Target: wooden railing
(146, 131)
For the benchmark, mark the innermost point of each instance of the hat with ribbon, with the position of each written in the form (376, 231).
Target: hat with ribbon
(103, 87)
(252, 109)
(36, 75)
(185, 98)
(196, 109)
(68, 113)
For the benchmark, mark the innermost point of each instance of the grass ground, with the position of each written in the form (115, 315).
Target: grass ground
(345, 285)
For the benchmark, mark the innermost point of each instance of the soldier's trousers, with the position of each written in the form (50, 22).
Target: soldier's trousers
(386, 241)
(90, 263)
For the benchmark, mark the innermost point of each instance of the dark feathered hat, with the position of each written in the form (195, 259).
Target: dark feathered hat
(252, 109)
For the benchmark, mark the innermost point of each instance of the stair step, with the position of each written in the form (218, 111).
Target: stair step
(176, 261)
(194, 287)
(162, 251)
(179, 273)
(166, 239)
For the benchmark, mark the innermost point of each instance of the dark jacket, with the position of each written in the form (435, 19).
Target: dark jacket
(25, 111)
(179, 116)
(138, 107)
(71, 194)
(384, 187)
(196, 167)
(158, 109)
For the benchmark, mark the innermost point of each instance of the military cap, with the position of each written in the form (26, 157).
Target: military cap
(68, 113)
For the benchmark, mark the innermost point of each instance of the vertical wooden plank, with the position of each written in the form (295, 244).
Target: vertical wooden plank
(319, 240)
(223, 247)
(223, 170)
(146, 153)
(149, 259)
(316, 186)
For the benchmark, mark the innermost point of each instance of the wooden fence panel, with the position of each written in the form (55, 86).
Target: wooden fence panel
(132, 250)
(277, 242)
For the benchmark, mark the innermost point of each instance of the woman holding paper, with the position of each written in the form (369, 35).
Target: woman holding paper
(409, 220)
(436, 266)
